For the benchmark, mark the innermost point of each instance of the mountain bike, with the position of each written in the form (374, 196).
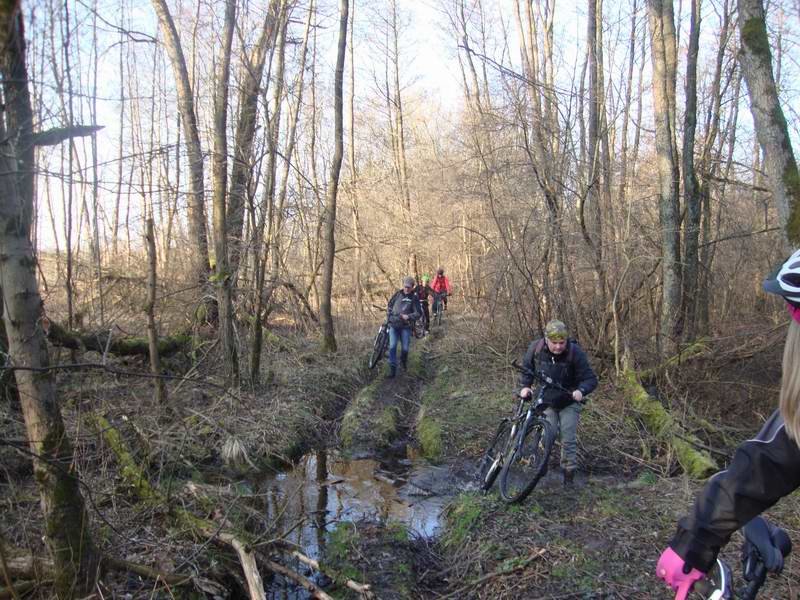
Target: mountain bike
(521, 446)
(380, 344)
(438, 308)
(764, 548)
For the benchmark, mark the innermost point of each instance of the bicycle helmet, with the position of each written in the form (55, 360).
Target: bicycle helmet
(426, 278)
(785, 281)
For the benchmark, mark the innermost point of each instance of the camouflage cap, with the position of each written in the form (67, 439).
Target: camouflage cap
(555, 328)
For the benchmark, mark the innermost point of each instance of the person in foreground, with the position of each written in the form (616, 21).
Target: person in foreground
(763, 469)
(403, 309)
(565, 362)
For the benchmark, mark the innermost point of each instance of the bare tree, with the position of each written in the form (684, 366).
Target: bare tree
(196, 199)
(66, 520)
(329, 220)
(664, 56)
(223, 278)
(771, 129)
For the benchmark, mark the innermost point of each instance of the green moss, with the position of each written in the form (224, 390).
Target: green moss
(429, 432)
(754, 36)
(386, 426)
(462, 516)
(697, 464)
(397, 532)
(791, 179)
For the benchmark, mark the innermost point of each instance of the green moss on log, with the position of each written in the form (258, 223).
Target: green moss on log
(429, 433)
(698, 464)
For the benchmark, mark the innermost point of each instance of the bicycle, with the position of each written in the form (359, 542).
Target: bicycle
(761, 539)
(438, 308)
(521, 446)
(380, 344)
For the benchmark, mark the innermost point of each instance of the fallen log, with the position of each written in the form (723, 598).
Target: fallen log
(698, 464)
(103, 342)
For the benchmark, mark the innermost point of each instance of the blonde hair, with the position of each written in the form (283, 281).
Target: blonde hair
(790, 382)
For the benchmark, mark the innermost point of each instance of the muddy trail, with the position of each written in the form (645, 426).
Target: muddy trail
(419, 528)
(337, 477)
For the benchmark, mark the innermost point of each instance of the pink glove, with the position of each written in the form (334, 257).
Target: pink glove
(670, 569)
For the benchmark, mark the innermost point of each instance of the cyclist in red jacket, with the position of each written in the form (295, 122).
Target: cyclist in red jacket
(441, 285)
(763, 470)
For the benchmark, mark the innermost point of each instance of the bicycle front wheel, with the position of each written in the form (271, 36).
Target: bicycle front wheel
(528, 461)
(493, 459)
(379, 347)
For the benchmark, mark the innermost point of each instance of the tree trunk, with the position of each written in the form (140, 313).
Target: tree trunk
(150, 309)
(196, 197)
(223, 278)
(662, 31)
(691, 187)
(66, 521)
(773, 135)
(252, 74)
(329, 243)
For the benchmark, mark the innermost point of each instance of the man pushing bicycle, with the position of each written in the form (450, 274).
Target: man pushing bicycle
(564, 361)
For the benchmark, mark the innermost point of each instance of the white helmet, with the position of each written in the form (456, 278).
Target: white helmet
(785, 281)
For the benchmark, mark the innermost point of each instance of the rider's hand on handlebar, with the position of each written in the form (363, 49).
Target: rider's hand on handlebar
(673, 569)
(525, 392)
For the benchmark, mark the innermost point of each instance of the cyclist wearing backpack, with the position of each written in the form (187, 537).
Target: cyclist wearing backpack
(403, 309)
(425, 291)
(441, 285)
(763, 470)
(562, 359)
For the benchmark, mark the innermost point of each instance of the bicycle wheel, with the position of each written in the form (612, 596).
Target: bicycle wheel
(492, 462)
(528, 461)
(379, 347)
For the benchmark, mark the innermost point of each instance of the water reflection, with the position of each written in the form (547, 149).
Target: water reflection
(325, 489)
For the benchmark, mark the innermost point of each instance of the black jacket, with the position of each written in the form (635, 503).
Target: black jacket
(571, 369)
(403, 304)
(763, 470)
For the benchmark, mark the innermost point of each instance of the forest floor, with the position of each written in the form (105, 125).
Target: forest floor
(216, 454)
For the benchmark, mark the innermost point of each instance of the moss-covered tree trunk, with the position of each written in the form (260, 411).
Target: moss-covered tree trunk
(773, 135)
(66, 520)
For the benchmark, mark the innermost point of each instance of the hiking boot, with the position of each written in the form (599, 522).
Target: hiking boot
(569, 477)
(404, 360)
(392, 372)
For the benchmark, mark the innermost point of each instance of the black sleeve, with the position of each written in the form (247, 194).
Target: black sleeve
(390, 304)
(528, 362)
(586, 380)
(763, 470)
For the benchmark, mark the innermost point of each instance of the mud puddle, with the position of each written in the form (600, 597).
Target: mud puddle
(326, 489)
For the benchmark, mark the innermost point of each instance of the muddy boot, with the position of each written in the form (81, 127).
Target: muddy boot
(569, 477)
(392, 372)
(404, 360)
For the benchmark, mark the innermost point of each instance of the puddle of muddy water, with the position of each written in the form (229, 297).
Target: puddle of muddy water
(325, 489)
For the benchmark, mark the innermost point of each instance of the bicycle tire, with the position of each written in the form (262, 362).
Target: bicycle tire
(379, 347)
(528, 461)
(492, 462)
(419, 327)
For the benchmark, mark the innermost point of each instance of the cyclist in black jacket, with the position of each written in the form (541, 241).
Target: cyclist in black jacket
(403, 309)
(763, 470)
(562, 359)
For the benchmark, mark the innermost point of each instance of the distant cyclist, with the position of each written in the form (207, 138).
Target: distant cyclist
(403, 309)
(441, 285)
(424, 291)
(763, 470)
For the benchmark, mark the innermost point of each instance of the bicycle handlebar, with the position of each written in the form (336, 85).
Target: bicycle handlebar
(544, 379)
